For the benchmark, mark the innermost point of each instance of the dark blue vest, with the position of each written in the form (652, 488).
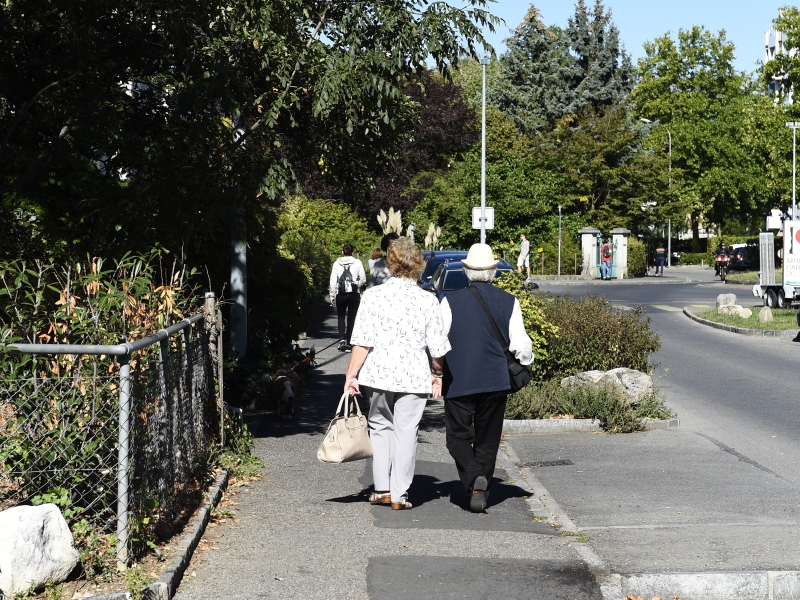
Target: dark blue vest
(477, 363)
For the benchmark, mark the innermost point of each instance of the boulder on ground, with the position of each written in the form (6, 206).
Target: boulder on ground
(633, 384)
(735, 311)
(725, 300)
(765, 315)
(36, 546)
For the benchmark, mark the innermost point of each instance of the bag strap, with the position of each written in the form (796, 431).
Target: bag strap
(498, 336)
(345, 400)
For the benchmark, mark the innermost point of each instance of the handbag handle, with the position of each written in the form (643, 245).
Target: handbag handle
(345, 399)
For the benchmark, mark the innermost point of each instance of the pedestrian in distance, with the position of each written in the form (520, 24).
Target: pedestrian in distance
(398, 327)
(376, 254)
(378, 271)
(476, 378)
(606, 258)
(524, 257)
(347, 278)
(661, 254)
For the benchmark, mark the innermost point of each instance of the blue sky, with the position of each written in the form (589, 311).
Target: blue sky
(639, 21)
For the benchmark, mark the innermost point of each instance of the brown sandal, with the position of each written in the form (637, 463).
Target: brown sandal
(380, 498)
(404, 505)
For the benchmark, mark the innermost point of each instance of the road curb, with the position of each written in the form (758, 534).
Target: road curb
(634, 281)
(522, 426)
(784, 333)
(769, 585)
(167, 584)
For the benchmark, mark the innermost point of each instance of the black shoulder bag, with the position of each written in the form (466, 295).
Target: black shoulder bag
(519, 374)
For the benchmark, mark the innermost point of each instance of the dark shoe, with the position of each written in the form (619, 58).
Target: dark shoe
(348, 348)
(477, 500)
(342, 346)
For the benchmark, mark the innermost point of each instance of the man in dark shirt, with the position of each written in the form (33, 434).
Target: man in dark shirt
(476, 380)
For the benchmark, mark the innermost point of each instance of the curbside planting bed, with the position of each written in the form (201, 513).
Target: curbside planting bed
(523, 426)
(779, 333)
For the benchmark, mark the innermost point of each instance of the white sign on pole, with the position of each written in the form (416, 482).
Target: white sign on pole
(476, 217)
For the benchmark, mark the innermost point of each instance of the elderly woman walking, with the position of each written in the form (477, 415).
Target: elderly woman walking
(396, 323)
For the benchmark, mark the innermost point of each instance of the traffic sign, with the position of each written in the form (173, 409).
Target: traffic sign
(476, 217)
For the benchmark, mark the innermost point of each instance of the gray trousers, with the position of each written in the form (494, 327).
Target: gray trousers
(393, 425)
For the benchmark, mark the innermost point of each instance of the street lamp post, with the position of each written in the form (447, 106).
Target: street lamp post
(484, 62)
(794, 125)
(559, 241)
(669, 184)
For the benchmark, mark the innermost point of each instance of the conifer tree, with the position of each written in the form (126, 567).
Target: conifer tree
(549, 72)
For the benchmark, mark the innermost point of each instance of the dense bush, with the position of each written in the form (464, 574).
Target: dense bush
(637, 258)
(694, 258)
(594, 335)
(545, 400)
(533, 316)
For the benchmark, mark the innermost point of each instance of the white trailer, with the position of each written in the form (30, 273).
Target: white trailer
(779, 294)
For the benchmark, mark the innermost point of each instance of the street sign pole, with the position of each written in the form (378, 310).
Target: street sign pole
(794, 125)
(484, 62)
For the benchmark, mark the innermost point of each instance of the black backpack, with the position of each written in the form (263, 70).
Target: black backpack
(346, 280)
(606, 251)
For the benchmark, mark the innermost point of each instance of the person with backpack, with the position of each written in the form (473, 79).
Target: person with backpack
(347, 277)
(606, 257)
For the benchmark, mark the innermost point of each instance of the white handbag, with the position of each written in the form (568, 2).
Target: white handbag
(347, 438)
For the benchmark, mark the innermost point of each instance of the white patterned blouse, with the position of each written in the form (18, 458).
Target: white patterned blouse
(398, 321)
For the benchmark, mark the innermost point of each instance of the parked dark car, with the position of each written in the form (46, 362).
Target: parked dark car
(450, 277)
(743, 258)
(434, 259)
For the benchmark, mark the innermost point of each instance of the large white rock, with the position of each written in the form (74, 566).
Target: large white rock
(735, 310)
(725, 300)
(36, 546)
(633, 384)
(765, 315)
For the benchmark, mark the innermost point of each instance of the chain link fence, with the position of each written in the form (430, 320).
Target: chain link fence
(125, 434)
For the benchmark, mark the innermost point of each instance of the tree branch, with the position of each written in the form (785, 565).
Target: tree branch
(27, 107)
(259, 122)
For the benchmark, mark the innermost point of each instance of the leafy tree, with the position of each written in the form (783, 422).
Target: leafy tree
(137, 123)
(549, 72)
(610, 175)
(691, 88)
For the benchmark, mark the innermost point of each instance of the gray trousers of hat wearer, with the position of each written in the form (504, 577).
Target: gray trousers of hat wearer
(393, 425)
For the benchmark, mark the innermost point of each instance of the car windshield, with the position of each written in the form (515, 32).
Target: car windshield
(456, 279)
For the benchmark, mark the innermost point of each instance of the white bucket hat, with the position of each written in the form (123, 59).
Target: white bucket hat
(480, 258)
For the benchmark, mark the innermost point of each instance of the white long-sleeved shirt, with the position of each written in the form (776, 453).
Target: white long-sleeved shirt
(519, 342)
(356, 270)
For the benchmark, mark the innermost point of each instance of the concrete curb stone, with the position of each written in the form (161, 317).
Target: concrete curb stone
(522, 426)
(167, 584)
(635, 281)
(784, 333)
(766, 585)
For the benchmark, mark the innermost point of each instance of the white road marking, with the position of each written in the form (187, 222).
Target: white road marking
(666, 308)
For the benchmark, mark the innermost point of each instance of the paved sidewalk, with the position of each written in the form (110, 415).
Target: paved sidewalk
(306, 530)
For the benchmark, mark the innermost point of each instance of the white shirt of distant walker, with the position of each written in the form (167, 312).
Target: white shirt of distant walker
(356, 270)
(397, 321)
(524, 253)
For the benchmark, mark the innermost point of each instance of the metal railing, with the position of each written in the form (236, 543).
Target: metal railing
(60, 432)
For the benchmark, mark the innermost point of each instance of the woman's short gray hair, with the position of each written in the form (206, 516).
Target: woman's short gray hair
(485, 275)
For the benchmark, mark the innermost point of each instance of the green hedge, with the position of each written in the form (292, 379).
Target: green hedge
(637, 258)
(594, 335)
(693, 258)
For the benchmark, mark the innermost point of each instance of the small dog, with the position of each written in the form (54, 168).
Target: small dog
(285, 385)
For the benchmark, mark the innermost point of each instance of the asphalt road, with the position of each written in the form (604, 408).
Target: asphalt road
(741, 392)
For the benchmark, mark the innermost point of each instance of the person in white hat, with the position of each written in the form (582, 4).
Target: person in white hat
(476, 380)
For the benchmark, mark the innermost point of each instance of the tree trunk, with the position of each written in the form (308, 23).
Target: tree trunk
(695, 232)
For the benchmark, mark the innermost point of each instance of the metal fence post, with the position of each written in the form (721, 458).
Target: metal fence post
(123, 460)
